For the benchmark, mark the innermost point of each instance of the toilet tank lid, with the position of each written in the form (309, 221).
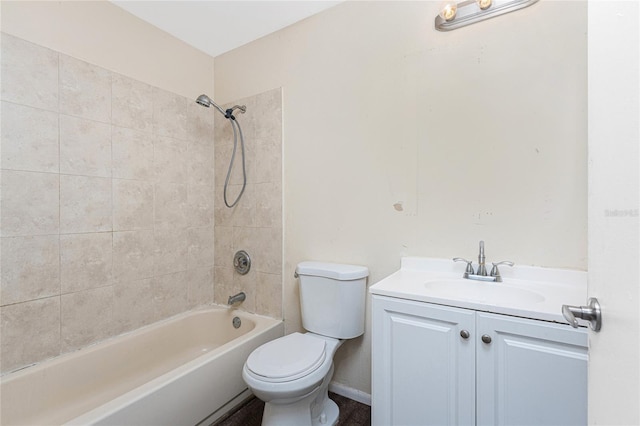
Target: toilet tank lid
(336, 271)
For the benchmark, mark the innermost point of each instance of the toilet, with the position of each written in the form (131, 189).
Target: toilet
(292, 374)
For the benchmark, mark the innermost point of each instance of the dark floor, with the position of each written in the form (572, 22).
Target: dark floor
(352, 413)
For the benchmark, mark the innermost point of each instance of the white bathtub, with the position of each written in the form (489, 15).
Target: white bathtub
(182, 371)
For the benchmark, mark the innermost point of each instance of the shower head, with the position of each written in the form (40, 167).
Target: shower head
(206, 101)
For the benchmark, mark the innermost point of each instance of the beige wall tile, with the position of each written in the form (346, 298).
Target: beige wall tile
(85, 204)
(223, 246)
(85, 147)
(242, 214)
(170, 159)
(170, 205)
(222, 131)
(131, 103)
(222, 155)
(247, 284)
(30, 332)
(201, 247)
(86, 317)
(201, 163)
(132, 152)
(133, 305)
(30, 203)
(85, 90)
(268, 115)
(200, 287)
(269, 166)
(171, 248)
(201, 205)
(200, 123)
(249, 240)
(169, 114)
(268, 242)
(29, 73)
(133, 255)
(222, 284)
(30, 268)
(87, 172)
(170, 294)
(85, 261)
(268, 205)
(222, 215)
(29, 138)
(269, 295)
(264, 245)
(132, 205)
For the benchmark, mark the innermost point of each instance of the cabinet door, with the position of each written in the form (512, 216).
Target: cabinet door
(423, 370)
(531, 373)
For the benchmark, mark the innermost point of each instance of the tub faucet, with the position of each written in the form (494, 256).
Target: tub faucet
(237, 298)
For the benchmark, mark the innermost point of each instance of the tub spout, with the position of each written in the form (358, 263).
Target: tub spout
(237, 298)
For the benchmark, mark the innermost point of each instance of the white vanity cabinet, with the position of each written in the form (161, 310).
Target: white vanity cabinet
(442, 365)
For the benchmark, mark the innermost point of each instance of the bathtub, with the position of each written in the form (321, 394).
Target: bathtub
(185, 370)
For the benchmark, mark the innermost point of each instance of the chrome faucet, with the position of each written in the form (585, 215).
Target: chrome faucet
(481, 273)
(237, 298)
(482, 270)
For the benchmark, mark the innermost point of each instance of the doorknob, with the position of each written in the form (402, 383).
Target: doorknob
(590, 313)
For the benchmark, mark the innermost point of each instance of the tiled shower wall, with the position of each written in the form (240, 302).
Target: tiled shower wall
(107, 204)
(255, 223)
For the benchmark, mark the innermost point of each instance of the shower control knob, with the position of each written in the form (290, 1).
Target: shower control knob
(486, 338)
(242, 262)
(464, 334)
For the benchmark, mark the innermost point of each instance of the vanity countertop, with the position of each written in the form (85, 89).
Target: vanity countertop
(526, 291)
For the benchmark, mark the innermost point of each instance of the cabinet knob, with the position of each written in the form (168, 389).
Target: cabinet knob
(464, 334)
(486, 338)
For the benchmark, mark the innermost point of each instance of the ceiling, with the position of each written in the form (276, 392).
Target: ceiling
(217, 26)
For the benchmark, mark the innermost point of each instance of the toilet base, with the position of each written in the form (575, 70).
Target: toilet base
(314, 409)
(288, 415)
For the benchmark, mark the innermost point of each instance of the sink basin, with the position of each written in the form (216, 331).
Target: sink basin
(480, 291)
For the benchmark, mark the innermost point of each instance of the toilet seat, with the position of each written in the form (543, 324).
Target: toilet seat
(287, 358)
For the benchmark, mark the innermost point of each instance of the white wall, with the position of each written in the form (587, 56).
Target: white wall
(103, 34)
(400, 140)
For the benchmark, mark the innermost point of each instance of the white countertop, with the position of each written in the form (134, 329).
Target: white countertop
(526, 291)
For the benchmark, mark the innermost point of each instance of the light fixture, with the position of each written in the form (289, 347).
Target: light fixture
(455, 15)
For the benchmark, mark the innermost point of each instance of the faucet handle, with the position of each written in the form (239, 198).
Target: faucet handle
(495, 272)
(469, 270)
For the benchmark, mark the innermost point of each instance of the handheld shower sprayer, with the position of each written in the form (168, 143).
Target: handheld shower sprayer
(206, 101)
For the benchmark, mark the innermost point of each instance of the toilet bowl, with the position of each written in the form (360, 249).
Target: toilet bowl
(292, 374)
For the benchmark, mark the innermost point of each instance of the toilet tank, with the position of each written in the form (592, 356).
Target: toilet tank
(332, 298)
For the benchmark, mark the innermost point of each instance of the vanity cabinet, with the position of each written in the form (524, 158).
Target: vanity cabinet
(442, 365)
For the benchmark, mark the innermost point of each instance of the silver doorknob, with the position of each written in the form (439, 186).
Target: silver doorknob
(486, 338)
(464, 334)
(590, 313)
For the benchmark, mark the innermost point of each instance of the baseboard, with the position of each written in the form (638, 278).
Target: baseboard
(351, 393)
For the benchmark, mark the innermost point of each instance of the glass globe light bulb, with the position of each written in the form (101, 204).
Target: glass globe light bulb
(448, 11)
(484, 4)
